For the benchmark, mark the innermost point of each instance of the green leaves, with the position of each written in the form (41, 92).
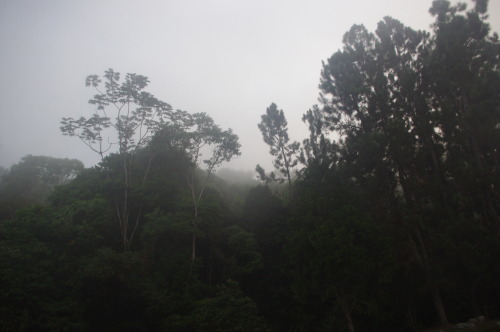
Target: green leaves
(241, 249)
(227, 310)
(417, 115)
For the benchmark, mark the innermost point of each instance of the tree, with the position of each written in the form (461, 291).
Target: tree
(33, 179)
(227, 310)
(35, 176)
(131, 113)
(266, 216)
(417, 116)
(43, 249)
(273, 127)
(124, 120)
(465, 91)
(375, 99)
(208, 146)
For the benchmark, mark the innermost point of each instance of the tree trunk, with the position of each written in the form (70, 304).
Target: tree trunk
(423, 260)
(438, 304)
(411, 317)
(193, 236)
(193, 244)
(194, 224)
(289, 178)
(350, 325)
(346, 309)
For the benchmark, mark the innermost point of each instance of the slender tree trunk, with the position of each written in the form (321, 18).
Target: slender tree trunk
(420, 252)
(193, 247)
(289, 178)
(350, 325)
(196, 202)
(411, 317)
(193, 243)
(194, 224)
(438, 304)
(146, 173)
(346, 309)
(423, 260)
(210, 269)
(125, 212)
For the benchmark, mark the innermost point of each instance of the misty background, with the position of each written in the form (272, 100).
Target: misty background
(230, 59)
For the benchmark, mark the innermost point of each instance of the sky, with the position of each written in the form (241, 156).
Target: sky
(228, 58)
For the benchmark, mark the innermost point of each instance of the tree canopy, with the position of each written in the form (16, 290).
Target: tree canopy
(391, 225)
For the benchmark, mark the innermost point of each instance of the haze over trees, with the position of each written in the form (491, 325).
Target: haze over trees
(390, 222)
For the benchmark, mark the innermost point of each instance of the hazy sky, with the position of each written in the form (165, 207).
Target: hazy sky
(229, 58)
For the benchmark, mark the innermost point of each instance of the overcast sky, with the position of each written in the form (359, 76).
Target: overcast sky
(229, 58)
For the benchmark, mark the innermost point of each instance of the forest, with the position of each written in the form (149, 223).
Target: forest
(386, 218)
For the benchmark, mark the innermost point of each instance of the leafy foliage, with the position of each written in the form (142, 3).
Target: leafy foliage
(392, 224)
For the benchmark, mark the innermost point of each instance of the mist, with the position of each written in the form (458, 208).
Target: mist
(228, 59)
(385, 219)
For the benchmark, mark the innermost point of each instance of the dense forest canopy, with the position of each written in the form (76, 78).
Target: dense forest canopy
(386, 218)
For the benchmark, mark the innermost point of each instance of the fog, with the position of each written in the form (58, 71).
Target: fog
(230, 59)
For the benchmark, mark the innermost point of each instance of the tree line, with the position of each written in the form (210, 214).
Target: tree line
(386, 218)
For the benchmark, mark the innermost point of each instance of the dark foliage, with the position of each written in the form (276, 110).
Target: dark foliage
(393, 226)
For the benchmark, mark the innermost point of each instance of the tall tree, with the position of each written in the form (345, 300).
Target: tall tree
(417, 116)
(124, 119)
(373, 96)
(207, 147)
(273, 127)
(464, 81)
